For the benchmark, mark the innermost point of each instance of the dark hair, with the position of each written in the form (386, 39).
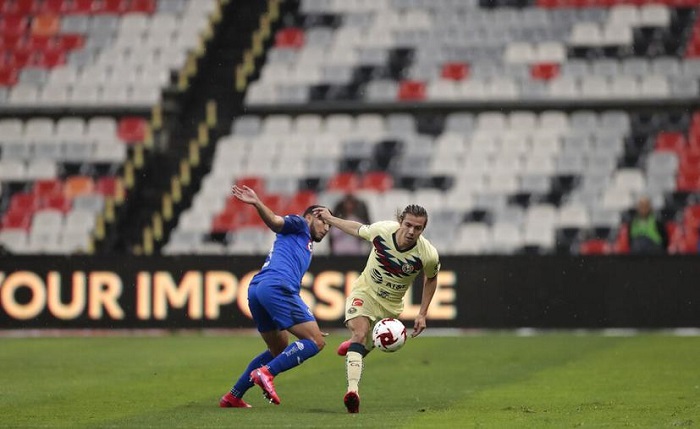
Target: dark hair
(415, 210)
(311, 209)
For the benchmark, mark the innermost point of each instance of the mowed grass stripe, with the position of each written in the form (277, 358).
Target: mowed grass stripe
(645, 381)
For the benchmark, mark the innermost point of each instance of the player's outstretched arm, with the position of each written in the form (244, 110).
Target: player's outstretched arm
(347, 226)
(429, 288)
(248, 196)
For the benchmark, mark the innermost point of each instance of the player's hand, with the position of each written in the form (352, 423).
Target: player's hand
(245, 194)
(322, 213)
(418, 326)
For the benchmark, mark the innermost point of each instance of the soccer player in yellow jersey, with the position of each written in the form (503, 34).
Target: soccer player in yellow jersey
(399, 253)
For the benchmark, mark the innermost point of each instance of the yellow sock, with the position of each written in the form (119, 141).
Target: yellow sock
(353, 368)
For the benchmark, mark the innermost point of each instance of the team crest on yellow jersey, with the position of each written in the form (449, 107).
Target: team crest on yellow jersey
(392, 265)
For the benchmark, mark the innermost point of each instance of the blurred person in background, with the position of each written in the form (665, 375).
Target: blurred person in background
(647, 234)
(350, 208)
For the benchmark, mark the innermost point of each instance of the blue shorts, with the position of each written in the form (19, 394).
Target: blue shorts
(275, 307)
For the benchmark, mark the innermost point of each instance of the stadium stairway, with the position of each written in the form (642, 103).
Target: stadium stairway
(200, 115)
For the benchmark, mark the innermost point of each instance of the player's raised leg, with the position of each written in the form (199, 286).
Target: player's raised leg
(354, 361)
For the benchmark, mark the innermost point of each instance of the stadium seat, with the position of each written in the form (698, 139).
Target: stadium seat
(16, 221)
(76, 186)
(347, 182)
(595, 247)
(412, 90)
(289, 38)
(45, 25)
(132, 129)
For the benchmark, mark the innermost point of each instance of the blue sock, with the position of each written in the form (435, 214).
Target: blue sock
(292, 356)
(244, 383)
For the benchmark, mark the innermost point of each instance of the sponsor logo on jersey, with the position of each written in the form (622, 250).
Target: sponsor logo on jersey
(310, 246)
(352, 310)
(395, 286)
(357, 302)
(391, 265)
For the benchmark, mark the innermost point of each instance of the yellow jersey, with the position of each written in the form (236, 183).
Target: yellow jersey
(389, 272)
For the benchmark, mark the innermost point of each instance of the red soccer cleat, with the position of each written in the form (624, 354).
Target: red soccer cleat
(263, 378)
(230, 401)
(352, 402)
(343, 348)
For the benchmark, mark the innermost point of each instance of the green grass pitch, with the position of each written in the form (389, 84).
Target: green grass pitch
(491, 381)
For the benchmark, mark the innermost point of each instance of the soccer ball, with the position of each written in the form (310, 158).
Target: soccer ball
(389, 335)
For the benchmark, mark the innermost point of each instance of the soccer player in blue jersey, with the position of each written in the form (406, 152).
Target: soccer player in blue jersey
(274, 301)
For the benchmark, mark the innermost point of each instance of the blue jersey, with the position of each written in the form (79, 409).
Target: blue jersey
(290, 255)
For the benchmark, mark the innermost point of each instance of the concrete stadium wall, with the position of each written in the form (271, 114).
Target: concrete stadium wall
(475, 292)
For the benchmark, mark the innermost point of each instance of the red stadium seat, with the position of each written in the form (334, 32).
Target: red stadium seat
(50, 58)
(685, 241)
(23, 202)
(19, 7)
(689, 158)
(289, 37)
(298, 203)
(672, 229)
(81, 7)
(691, 216)
(622, 241)
(455, 71)
(544, 71)
(274, 202)
(57, 202)
(694, 137)
(132, 129)
(13, 25)
(141, 6)
(695, 122)
(306, 198)
(54, 6)
(379, 181)
(594, 247)
(224, 222)
(110, 186)
(37, 43)
(11, 41)
(688, 183)
(253, 221)
(111, 7)
(348, 182)
(47, 187)
(17, 220)
(69, 41)
(235, 215)
(669, 142)
(20, 58)
(8, 76)
(253, 182)
(411, 90)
